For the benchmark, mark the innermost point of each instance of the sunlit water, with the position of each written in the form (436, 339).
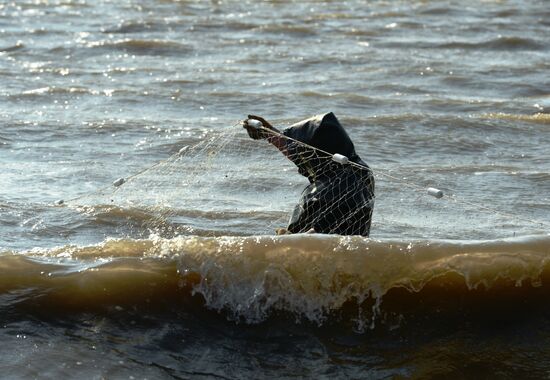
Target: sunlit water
(453, 95)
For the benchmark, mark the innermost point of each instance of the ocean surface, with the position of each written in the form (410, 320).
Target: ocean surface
(178, 274)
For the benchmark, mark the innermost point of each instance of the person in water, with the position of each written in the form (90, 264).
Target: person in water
(340, 197)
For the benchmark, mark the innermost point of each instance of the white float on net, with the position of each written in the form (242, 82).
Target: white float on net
(254, 123)
(119, 182)
(435, 192)
(340, 158)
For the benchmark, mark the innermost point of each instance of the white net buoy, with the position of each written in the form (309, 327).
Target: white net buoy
(340, 158)
(119, 182)
(435, 192)
(254, 123)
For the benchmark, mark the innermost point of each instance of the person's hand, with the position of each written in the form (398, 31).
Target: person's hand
(262, 120)
(257, 133)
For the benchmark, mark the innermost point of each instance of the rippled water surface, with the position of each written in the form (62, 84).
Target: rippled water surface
(452, 95)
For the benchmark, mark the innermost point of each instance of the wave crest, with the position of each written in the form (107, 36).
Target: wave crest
(311, 277)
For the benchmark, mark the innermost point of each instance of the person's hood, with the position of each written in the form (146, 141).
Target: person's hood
(323, 132)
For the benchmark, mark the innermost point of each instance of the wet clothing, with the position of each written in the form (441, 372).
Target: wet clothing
(339, 198)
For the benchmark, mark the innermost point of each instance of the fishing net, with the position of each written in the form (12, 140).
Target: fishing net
(229, 184)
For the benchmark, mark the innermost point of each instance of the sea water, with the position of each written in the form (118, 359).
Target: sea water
(440, 94)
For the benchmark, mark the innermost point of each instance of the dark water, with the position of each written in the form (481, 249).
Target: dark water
(176, 274)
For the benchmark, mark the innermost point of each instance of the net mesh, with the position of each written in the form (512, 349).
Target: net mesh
(230, 184)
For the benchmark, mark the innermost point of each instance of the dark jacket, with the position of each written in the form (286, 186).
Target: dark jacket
(339, 198)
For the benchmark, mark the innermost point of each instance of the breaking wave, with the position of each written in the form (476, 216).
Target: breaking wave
(313, 278)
